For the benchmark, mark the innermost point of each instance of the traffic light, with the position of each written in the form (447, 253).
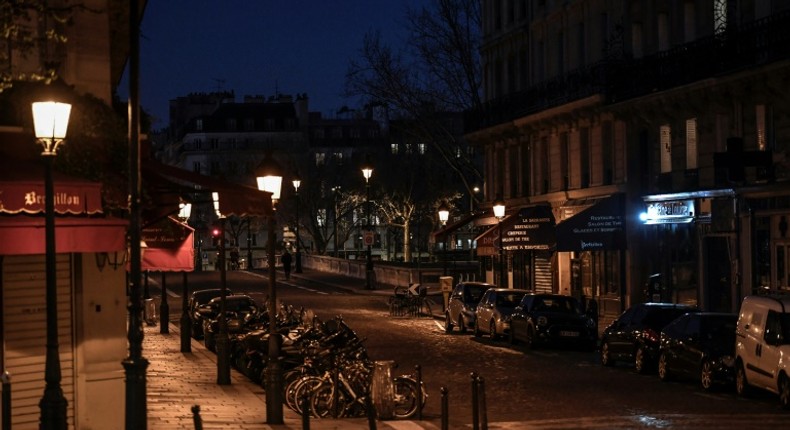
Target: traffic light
(215, 237)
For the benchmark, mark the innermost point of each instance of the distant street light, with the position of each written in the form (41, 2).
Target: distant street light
(297, 182)
(367, 172)
(444, 215)
(499, 213)
(223, 341)
(51, 120)
(269, 177)
(184, 212)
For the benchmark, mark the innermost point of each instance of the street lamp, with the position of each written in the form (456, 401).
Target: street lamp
(184, 211)
(444, 215)
(367, 172)
(51, 120)
(297, 182)
(499, 213)
(269, 177)
(223, 341)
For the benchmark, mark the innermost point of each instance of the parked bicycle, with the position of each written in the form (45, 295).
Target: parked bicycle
(412, 301)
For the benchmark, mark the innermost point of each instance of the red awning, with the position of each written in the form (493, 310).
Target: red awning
(169, 247)
(22, 190)
(234, 199)
(24, 235)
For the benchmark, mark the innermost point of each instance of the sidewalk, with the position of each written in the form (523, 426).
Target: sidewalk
(177, 381)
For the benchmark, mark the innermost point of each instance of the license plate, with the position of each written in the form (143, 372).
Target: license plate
(569, 333)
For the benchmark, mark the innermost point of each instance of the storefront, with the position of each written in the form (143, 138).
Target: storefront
(691, 254)
(591, 245)
(518, 250)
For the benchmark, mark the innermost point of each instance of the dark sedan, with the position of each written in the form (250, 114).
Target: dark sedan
(241, 311)
(198, 308)
(700, 345)
(552, 318)
(634, 336)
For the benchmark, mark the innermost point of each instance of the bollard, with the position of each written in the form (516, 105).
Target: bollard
(382, 391)
(305, 410)
(418, 377)
(475, 419)
(371, 412)
(196, 417)
(445, 409)
(481, 402)
(6, 378)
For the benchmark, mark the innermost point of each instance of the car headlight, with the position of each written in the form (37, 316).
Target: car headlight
(543, 320)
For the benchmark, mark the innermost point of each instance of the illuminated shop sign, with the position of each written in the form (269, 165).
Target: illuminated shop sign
(675, 211)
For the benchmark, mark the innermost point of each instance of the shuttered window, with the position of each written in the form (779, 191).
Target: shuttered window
(665, 133)
(691, 143)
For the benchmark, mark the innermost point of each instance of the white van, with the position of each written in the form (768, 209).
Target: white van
(762, 346)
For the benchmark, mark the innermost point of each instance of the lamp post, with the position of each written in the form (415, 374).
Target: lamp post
(297, 182)
(223, 341)
(51, 121)
(249, 243)
(499, 213)
(269, 178)
(335, 191)
(367, 172)
(444, 215)
(184, 211)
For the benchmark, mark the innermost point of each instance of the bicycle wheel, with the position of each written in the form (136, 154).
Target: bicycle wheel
(405, 397)
(298, 389)
(322, 401)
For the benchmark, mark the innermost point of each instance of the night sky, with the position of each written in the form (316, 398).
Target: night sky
(257, 47)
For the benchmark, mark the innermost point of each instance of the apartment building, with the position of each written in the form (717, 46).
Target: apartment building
(652, 131)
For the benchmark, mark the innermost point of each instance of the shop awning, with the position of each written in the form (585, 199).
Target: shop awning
(234, 199)
(531, 229)
(442, 234)
(169, 247)
(600, 227)
(22, 190)
(24, 235)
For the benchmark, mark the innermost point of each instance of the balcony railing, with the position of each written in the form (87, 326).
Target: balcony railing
(750, 45)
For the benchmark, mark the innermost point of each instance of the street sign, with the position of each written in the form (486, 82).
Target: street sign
(368, 238)
(414, 289)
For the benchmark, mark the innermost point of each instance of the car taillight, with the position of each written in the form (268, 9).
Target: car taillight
(651, 335)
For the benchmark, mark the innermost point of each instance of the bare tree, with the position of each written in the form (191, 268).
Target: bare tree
(439, 72)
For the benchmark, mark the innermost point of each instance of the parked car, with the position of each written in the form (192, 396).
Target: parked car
(462, 304)
(634, 336)
(198, 309)
(493, 312)
(700, 345)
(762, 346)
(552, 318)
(241, 312)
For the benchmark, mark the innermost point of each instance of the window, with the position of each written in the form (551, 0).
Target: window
(636, 40)
(196, 166)
(318, 133)
(354, 133)
(691, 143)
(759, 119)
(607, 152)
(214, 143)
(269, 123)
(421, 148)
(689, 27)
(665, 136)
(321, 217)
(199, 124)
(584, 156)
(719, 16)
(230, 123)
(338, 157)
(198, 143)
(394, 148)
(545, 163)
(249, 124)
(663, 32)
(337, 132)
(564, 149)
(320, 159)
(409, 149)
(215, 169)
